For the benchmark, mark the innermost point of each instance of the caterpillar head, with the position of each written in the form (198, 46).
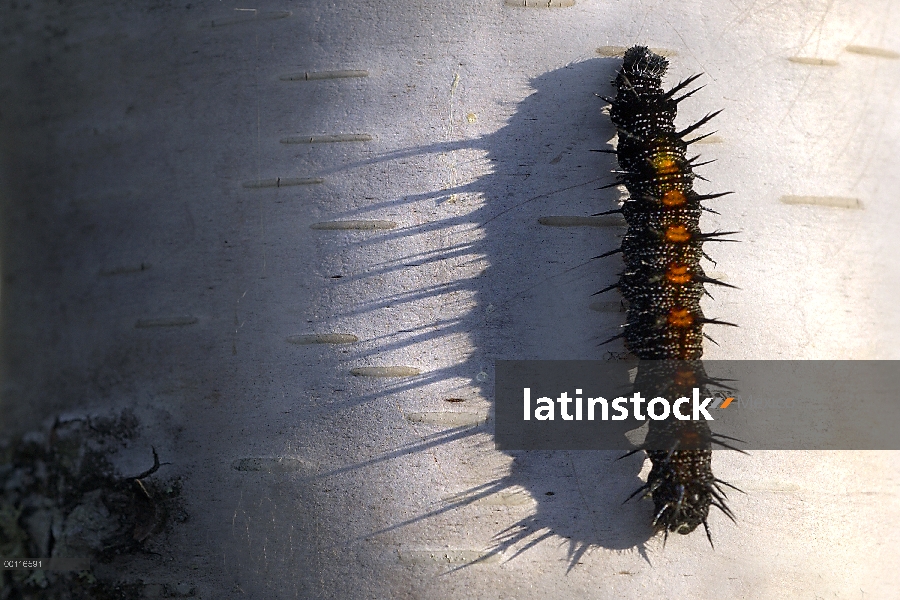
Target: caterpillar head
(683, 490)
(680, 511)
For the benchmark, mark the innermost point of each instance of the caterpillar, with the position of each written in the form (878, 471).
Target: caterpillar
(662, 285)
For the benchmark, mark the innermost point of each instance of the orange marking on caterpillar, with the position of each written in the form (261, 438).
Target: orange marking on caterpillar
(678, 273)
(685, 378)
(680, 317)
(665, 165)
(677, 234)
(673, 198)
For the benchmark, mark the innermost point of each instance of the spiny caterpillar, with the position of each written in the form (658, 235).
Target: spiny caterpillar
(662, 285)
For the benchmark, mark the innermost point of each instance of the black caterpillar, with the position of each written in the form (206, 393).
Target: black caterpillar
(662, 285)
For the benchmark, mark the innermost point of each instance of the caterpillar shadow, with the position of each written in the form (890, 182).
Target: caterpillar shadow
(534, 302)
